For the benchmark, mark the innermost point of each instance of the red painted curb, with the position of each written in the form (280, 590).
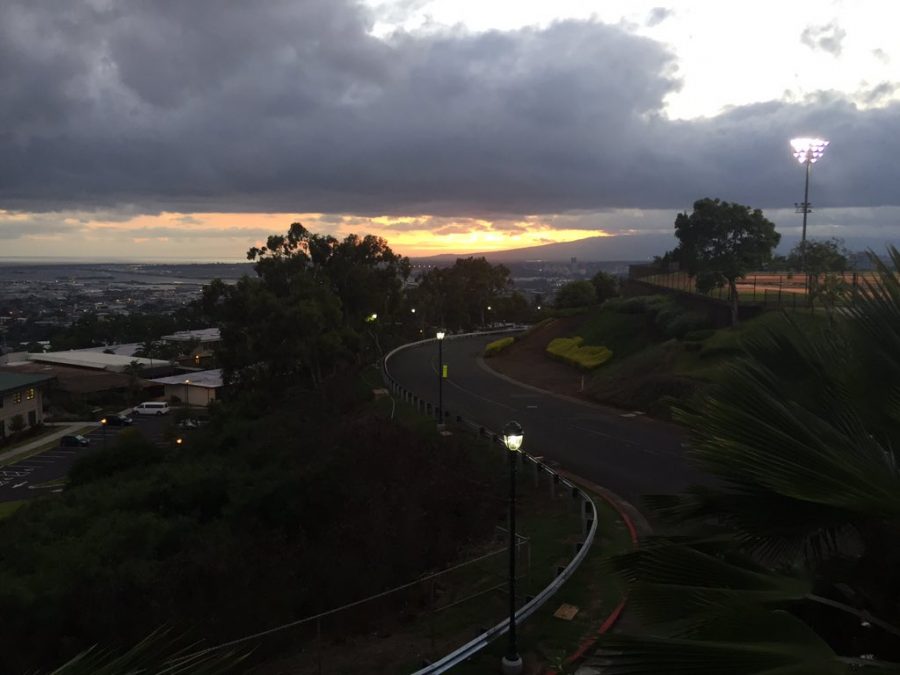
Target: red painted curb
(610, 620)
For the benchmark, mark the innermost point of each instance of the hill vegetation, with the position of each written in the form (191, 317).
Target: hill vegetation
(247, 527)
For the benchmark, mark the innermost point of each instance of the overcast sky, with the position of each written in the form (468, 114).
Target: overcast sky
(136, 129)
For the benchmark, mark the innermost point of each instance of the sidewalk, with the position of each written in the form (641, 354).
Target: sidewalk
(45, 439)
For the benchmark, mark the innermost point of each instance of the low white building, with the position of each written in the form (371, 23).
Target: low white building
(89, 359)
(195, 389)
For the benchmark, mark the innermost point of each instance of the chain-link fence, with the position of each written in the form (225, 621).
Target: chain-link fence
(777, 289)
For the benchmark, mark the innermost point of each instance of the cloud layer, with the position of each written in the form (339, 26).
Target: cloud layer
(285, 106)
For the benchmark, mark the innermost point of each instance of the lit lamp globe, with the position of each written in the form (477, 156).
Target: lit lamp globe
(513, 436)
(440, 335)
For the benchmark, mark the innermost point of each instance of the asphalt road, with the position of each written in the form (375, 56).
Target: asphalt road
(26, 478)
(626, 453)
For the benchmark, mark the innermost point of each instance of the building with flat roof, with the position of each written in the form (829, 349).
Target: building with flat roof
(194, 389)
(116, 363)
(204, 341)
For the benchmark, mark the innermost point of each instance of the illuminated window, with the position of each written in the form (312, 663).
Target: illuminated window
(17, 397)
(30, 394)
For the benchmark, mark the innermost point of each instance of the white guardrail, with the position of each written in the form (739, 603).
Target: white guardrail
(588, 509)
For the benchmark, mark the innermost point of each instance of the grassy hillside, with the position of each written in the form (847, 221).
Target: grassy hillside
(663, 352)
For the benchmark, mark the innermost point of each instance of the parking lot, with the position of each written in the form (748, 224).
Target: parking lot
(42, 473)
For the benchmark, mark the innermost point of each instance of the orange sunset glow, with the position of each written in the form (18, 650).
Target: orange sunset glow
(224, 236)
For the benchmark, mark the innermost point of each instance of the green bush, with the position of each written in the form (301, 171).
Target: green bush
(673, 321)
(699, 335)
(497, 346)
(572, 351)
(636, 305)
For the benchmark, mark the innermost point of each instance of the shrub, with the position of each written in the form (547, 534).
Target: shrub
(699, 335)
(576, 294)
(674, 321)
(498, 346)
(571, 351)
(636, 305)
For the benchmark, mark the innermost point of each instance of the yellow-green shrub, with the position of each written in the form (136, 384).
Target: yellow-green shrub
(573, 352)
(497, 346)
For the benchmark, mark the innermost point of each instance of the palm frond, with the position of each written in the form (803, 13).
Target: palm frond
(157, 654)
(753, 642)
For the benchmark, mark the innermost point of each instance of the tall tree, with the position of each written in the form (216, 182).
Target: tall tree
(719, 242)
(305, 312)
(829, 255)
(363, 272)
(606, 285)
(459, 296)
(576, 294)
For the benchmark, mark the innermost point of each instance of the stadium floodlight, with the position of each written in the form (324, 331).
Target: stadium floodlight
(807, 151)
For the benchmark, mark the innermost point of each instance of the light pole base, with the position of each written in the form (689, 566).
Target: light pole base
(511, 666)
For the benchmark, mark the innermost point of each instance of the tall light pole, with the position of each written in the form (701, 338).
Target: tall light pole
(807, 151)
(440, 371)
(513, 436)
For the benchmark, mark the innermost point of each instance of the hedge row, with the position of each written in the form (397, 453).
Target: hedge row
(497, 346)
(571, 351)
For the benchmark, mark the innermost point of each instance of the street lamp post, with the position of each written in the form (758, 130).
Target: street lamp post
(440, 340)
(512, 439)
(187, 394)
(807, 151)
(103, 424)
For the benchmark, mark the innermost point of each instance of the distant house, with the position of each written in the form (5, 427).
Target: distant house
(21, 395)
(198, 388)
(203, 340)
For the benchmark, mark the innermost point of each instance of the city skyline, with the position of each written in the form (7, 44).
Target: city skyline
(135, 132)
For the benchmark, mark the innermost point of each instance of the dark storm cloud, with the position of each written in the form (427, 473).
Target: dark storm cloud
(287, 106)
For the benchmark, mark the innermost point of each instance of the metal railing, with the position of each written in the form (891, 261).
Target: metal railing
(588, 514)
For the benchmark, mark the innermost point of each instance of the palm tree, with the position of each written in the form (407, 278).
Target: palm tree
(791, 563)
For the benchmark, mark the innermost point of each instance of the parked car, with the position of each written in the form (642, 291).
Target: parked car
(151, 408)
(118, 421)
(77, 441)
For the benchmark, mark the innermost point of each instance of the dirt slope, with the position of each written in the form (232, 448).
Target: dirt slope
(527, 362)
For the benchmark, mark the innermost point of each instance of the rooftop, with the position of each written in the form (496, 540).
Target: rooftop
(209, 379)
(202, 334)
(98, 360)
(13, 381)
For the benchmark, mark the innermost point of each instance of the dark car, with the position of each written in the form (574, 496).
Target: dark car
(78, 441)
(118, 421)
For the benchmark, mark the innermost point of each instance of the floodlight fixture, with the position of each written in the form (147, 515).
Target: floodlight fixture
(808, 149)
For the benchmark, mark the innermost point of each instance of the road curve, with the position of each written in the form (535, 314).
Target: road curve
(630, 455)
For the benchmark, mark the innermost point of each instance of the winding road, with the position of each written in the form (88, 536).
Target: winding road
(625, 452)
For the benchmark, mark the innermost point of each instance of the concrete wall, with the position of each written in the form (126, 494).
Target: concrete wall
(190, 394)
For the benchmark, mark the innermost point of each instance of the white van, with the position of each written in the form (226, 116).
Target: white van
(152, 408)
